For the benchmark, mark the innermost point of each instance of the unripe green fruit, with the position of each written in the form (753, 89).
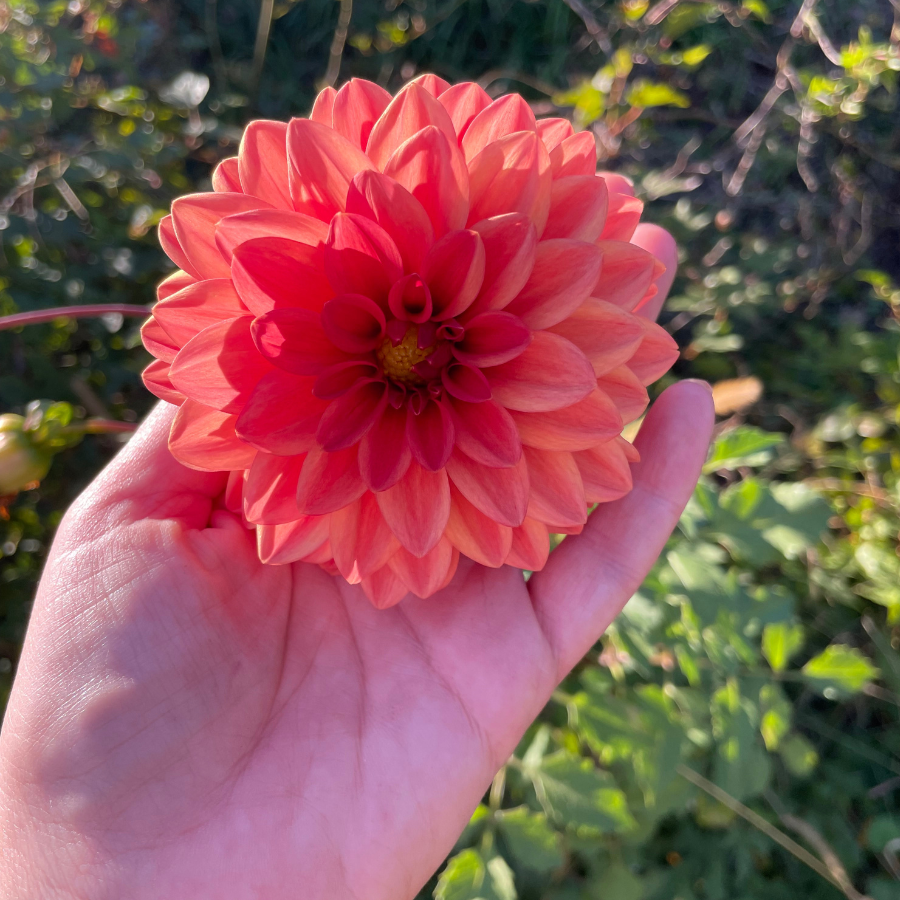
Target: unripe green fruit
(21, 463)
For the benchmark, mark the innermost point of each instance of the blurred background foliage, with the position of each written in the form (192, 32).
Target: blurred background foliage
(736, 732)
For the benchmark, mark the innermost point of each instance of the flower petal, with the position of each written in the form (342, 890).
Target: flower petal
(575, 155)
(329, 481)
(226, 177)
(476, 535)
(431, 168)
(337, 379)
(292, 541)
(509, 242)
(195, 217)
(605, 472)
(270, 489)
(506, 115)
(173, 249)
(220, 366)
(353, 323)
(453, 269)
(550, 374)
(203, 438)
(622, 386)
(563, 276)
(417, 508)
(424, 575)
(655, 355)
(157, 341)
(430, 434)
(357, 106)
(384, 452)
(511, 175)
(156, 380)
(487, 433)
(282, 414)
(323, 107)
(294, 340)
(383, 588)
(623, 217)
(395, 209)
(578, 208)
(576, 427)
(268, 223)
(554, 131)
(361, 258)
(530, 546)
(492, 338)
(557, 494)
(262, 162)
(270, 273)
(361, 538)
(172, 284)
(349, 417)
(463, 102)
(501, 494)
(434, 84)
(322, 164)
(607, 335)
(627, 273)
(466, 383)
(187, 312)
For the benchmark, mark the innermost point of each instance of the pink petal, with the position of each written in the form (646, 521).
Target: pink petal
(486, 432)
(186, 313)
(226, 177)
(563, 276)
(268, 223)
(432, 83)
(417, 508)
(578, 208)
(282, 414)
(627, 273)
(511, 175)
(157, 341)
(575, 155)
(384, 453)
(465, 383)
(384, 589)
(426, 575)
(557, 494)
(195, 217)
(431, 168)
(322, 164)
(234, 488)
(492, 338)
(430, 434)
(655, 355)
(357, 106)
(476, 535)
(626, 391)
(576, 427)
(361, 258)
(329, 481)
(262, 162)
(270, 490)
(353, 323)
(156, 380)
(550, 374)
(323, 107)
(463, 102)
(554, 131)
(361, 538)
(220, 366)
(270, 273)
(509, 245)
(294, 340)
(203, 438)
(623, 217)
(453, 269)
(605, 472)
(606, 334)
(409, 112)
(172, 248)
(410, 299)
(396, 210)
(530, 546)
(292, 541)
(506, 115)
(501, 494)
(337, 379)
(617, 183)
(349, 417)
(172, 284)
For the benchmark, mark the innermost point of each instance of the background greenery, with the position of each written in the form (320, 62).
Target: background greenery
(736, 733)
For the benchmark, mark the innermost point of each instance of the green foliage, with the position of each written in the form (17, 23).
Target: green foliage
(761, 652)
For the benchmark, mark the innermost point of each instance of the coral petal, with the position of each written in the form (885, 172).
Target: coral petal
(575, 155)
(434, 84)
(465, 383)
(270, 489)
(530, 546)
(509, 242)
(430, 434)
(357, 106)
(360, 538)
(384, 589)
(623, 217)
(492, 338)
(292, 541)
(294, 340)
(627, 273)
(577, 427)
(501, 494)
(384, 453)
(329, 481)
(268, 223)
(506, 115)
(557, 494)
(187, 312)
(655, 355)
(226, 177)
(453, 269)
(476, 535)
(262, 162)
(623, 387)
(323, 107)
(463, 102)
(172, 284)
(426, 574)
(554, 131)
(417, 508)
(353, 323)
(605, 472)
(361, 258)
(156, 380)
(487, 433)
(578, 208)
(157, 341)
(349, 417)
(203, 438)
(172, 248)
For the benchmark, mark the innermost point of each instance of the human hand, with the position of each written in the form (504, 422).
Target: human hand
(187, 722)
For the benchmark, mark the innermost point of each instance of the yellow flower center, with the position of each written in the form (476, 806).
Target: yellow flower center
(397, 362)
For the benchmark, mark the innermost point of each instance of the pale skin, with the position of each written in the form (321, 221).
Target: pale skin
(188, 723)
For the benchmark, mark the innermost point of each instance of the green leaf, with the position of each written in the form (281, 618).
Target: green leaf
(743, 446)
(468, 876)
(758, 9)
(693, 56)
(780, 641)
(619, 882)
(530, 839)
(799, 755)
(840, 670)
(644, 94)
(775, 715)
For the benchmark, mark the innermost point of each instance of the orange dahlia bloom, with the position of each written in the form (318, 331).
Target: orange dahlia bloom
(406, 328)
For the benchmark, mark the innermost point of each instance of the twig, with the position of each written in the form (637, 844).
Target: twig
(736, 182)
(601, 39)
(266, 8)
(660, 11)
(851, 257)
(815, 29)
(71, 312)
(757, 821)
(336, 54)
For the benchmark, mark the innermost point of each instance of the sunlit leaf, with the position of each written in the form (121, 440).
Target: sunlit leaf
(780, 641)
(840, 670)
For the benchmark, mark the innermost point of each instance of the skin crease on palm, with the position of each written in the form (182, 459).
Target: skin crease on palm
(188, 723)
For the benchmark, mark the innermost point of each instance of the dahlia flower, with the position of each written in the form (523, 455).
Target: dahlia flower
(405, 326)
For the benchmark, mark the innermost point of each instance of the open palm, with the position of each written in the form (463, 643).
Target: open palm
(187, 722)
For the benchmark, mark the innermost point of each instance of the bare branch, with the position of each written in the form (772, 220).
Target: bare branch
(337, 44)
(660, 11)
(601, 39)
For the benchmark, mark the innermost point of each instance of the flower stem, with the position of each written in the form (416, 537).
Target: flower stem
(102, 426)
(71, 312)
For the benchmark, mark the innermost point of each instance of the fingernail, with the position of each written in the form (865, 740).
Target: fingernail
(700, 383)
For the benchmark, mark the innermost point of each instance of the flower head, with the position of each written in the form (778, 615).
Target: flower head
(406, 327)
